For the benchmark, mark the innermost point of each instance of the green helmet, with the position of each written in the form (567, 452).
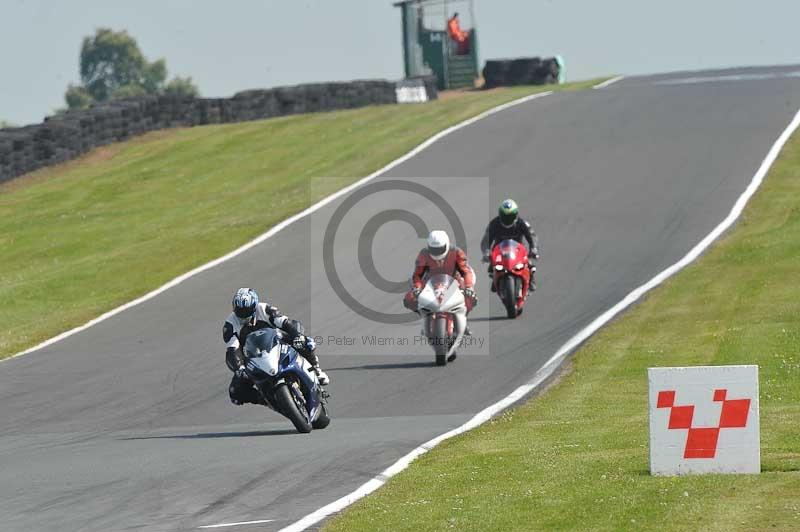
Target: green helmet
(508, 212)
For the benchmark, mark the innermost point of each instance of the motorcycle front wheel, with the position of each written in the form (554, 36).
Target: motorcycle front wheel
(289, 408)
(440, 341)
(508, 293)
(323, 420)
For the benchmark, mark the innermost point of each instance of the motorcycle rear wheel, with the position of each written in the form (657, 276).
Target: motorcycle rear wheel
(508, 292)
(440, 346)
(288, 407)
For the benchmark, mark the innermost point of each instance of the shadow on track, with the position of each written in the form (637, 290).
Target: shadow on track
(210, 435)
(490, 318)
(395, 365)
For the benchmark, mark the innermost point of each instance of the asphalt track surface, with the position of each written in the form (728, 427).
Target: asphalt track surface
(127, 425)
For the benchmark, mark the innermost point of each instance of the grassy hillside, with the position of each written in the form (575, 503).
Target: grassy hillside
(576, 458)
(79, 239)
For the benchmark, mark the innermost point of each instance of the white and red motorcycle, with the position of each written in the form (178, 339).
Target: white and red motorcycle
(444, 315)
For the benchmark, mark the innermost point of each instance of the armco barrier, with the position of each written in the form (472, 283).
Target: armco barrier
(522, 71)
(63, 137)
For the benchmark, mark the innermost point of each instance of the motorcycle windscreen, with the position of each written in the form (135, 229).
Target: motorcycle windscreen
(441, 294)
(509, 249)
(263, 350)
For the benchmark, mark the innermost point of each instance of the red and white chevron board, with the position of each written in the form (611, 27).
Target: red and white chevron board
(704, 419)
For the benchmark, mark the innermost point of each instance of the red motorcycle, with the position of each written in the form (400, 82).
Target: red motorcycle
(511, 275)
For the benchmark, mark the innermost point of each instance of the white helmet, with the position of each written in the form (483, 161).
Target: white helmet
(438, 244)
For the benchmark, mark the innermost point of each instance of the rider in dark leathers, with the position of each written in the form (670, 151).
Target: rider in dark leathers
(508, 225)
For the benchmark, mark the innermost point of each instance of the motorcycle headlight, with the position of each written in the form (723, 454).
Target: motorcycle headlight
(498, 267)
(519, 266)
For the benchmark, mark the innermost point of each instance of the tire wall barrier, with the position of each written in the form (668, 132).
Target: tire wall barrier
(521, 71)
(66, 136)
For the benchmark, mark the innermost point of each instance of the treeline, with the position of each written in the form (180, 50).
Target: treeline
(113, 67)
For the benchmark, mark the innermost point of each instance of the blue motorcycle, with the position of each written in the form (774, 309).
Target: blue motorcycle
(286, 381)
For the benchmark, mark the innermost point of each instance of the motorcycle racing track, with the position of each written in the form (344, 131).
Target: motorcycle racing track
(127, 425)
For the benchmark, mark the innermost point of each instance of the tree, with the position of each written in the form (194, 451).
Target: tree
(129, 91)
(78, 97)
(113, 66)
(181, 87)
(153, 76)
(110, 60)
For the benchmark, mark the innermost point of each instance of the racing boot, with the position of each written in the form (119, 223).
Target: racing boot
(242, 392)
(307, 347)
(491, 276)
(322, 377)
(313, 359)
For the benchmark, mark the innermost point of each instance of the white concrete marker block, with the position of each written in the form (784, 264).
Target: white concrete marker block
(704, 419)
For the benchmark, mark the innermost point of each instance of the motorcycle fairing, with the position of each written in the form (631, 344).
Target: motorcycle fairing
(441, 293)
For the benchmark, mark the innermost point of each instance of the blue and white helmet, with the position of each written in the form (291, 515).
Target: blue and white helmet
(245, 303)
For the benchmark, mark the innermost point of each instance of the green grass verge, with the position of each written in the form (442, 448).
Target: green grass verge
(577, 456)
(82, 238)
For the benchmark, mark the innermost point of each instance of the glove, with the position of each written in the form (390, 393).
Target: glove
(304, 343)
(311, 344)
(470, 293)
(416, 291)
(299, 342)
(241, 373)
(533, 254)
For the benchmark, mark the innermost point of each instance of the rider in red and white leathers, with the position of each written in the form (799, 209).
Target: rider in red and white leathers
(438, 258)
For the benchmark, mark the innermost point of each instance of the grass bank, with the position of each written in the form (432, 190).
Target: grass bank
(79, 239)
(576, 458)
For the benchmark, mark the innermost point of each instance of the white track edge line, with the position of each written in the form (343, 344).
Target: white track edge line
(240, 523)
(606, 83)
(277, 228)
(555, 361)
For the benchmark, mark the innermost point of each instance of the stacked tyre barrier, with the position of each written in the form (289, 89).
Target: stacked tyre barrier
(522, 71)
(66, 136)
